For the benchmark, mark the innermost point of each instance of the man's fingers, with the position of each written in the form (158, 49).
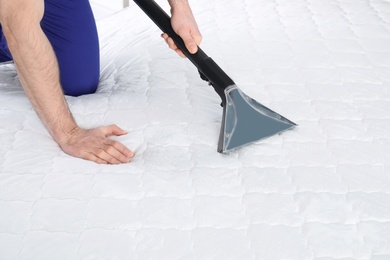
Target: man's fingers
(197, 36)
(190, 43)
(112, 151)
(171, 43)
(104, 155)
(94, 145)
(122, 149)
(94, 158)
(118, 151)
(164, 36)
(181, 54)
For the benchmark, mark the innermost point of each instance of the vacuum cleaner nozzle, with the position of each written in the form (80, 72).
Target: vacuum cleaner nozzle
(245, 121)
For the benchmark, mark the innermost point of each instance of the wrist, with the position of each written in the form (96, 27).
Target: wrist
(62, 134)
(179, 5)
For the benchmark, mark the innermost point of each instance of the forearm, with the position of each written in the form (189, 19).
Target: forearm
(39, 74)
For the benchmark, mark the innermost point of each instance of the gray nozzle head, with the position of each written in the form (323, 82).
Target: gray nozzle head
(245, 121)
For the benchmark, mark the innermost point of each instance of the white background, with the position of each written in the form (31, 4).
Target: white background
(103, 8)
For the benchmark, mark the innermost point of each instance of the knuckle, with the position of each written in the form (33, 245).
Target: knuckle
(122, 158)
(88, 157)
(112, 147)
(112, 160)
(109, 148)
(100, 161)
(100, 153)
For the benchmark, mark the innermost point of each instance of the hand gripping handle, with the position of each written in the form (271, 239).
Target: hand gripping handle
(208, 69)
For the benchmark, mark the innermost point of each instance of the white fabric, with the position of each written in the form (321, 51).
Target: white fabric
(321, 191)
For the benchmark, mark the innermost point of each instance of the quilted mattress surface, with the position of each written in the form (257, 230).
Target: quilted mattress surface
(320, 191)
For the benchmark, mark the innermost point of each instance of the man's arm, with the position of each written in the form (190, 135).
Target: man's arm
(39, 75)
(184, 24)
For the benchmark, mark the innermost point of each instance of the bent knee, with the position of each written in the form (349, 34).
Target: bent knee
(82, 85)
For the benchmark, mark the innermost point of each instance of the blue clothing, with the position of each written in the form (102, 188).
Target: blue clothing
(4, 52)
(70, 27)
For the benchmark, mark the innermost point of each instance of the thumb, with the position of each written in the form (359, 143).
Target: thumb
(113, 130)
(190, 43)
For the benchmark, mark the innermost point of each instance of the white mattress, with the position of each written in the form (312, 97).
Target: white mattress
(320, 191)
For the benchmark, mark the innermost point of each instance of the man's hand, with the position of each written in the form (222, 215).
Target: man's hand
(184, 24)
(94, 145)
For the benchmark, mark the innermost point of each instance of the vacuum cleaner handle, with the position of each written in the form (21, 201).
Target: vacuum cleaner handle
(208, 69)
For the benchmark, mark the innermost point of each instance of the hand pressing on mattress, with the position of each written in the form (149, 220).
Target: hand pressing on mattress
(184, 24)
(94, 145)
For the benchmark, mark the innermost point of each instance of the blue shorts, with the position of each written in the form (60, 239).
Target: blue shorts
(70, 27)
